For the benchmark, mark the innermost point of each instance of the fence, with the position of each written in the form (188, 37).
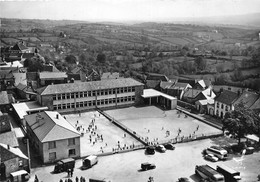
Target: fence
(185, 105)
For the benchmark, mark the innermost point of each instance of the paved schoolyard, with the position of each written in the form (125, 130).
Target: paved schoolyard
(171, 165)
(152, 122)
(111, 134)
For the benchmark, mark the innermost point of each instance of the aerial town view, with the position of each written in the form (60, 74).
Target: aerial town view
(130, 91)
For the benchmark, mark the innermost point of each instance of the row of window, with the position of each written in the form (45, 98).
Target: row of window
(93, 93)
(94, 103)
(222, 106)
(52, 144)
(52, 155)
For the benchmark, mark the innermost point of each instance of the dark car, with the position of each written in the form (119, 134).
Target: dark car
(183, 180)
(160, 148)
(169, 146)
(146, 166)
(150, 150)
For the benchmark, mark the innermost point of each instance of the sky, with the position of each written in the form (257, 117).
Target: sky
(124, 10)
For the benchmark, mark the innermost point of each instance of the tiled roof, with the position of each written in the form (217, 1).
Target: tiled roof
(166, 85)
(7, 154)
(248, 98)
(49, 128)
(256, 105)
(9, 138)
(179, 85)
(192, 93)
(52, 75)
(155, 76)
(202, 83)
(4, 98)
(19, 46)
(227, 97)
(208, 93)
(84, 86)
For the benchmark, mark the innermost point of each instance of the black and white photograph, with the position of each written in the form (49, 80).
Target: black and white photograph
(129, 90)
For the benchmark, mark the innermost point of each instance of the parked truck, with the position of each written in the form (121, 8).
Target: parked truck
(64, 165)
(89, 161)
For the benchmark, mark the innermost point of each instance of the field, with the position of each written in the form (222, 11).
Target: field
(33, 39)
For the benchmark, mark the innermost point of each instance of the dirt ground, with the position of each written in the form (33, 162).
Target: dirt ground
(111, 134)
(152, 122)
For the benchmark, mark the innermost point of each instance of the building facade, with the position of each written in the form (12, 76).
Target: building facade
(225, 103)
(90, 95)
(52, 136)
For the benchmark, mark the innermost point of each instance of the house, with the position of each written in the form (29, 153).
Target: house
(7, 79)
(52, 136)
(12, 159)
(25, 92)
(190, 95)
(90, 95)
(179, 89)
(205, 98)
(224, 102)
(200, 84)
(19, 48)
(153, 80)
(47, 78)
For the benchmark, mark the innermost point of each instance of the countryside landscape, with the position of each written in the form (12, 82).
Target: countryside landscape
(130, 91)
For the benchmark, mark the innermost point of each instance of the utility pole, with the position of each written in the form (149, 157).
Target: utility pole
(28, 152)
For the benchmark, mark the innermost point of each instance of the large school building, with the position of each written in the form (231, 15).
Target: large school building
(81, 96)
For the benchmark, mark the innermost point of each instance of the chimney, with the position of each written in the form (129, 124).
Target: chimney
(57, 116)
(238, 92)
(8, 147)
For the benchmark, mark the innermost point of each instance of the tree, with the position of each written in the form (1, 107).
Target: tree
(241, 121)
(101, 58)
(70, 59)
(201, 63)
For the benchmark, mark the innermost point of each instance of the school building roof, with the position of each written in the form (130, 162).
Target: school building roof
(85, 86)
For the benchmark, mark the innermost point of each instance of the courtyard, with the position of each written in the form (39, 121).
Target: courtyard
(99, 135)
(159, 125)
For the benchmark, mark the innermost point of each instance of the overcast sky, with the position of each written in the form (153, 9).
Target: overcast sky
(124, 10)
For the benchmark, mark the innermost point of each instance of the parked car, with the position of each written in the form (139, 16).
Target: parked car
(169, 146)
(250, 150)
(211, 157)
(183, 179)
(150, 150)
(146, 166)
(160, 148)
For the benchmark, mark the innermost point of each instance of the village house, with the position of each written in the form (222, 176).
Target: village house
(52, 136)
(90, 95)
(224, 102)
(12, 159)
(5, 101)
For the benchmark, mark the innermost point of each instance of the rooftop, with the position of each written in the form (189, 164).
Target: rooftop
(227, 97)
(52, 75)
(4, 99)
(50, 126)
(154, 93)
(22, 108)
(8, 152)
(248, 98)
(9, 138)
(84, 86)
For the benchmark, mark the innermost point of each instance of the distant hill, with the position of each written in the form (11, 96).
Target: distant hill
(252, 20)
